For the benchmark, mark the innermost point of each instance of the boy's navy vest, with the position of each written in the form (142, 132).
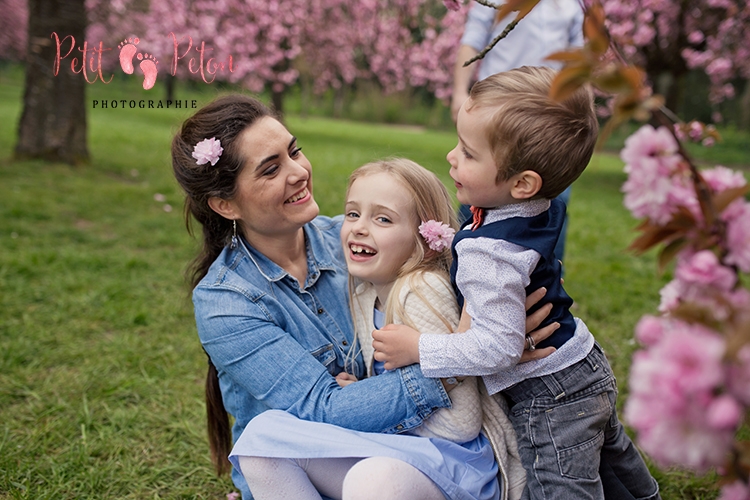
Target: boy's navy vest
(539, 233)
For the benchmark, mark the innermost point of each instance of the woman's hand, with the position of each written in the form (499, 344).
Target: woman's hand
(532, 322)
(344, 379)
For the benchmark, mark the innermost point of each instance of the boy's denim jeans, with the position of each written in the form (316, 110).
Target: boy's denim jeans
(566, 422)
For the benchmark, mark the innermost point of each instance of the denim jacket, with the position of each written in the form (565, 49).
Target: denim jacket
(278, 345)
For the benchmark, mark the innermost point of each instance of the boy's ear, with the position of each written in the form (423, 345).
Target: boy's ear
(225, 208)
(525, 185)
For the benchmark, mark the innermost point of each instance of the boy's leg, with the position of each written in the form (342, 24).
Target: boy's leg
(565, 423)
(626, 463)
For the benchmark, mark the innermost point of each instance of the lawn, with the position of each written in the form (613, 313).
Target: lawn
(101, 371)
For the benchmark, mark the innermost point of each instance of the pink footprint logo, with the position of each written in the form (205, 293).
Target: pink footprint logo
(148, 66)
(127, 51)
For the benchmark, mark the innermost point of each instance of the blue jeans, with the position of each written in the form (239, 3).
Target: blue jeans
(566, 422)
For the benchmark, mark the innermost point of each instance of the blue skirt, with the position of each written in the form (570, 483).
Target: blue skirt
(462, 471)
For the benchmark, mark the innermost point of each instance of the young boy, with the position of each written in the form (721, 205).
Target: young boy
(517, 150)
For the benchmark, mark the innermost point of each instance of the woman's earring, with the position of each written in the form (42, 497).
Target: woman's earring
(233, 244)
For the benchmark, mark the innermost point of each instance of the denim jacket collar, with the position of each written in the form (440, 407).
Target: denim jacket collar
(319, 258)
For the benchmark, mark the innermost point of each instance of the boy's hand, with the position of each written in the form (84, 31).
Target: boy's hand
(396, 345)
(344, 379)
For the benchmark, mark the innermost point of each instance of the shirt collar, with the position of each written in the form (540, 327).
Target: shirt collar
(319, 258)
(527, 208)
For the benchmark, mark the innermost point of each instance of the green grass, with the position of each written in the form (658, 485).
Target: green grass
(101, 371)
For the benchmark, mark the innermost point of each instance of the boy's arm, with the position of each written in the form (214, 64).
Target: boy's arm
(495, 294)
(532, 323)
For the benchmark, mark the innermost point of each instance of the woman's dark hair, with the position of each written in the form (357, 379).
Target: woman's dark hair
(224, 119)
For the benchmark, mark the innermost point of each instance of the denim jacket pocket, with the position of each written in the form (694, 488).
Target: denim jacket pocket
(577, 430)
(325, 355)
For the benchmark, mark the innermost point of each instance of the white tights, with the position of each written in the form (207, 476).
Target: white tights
(380, 478)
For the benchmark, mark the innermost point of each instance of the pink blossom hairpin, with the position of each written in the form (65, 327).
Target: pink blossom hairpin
(208, 150)
(438, 235)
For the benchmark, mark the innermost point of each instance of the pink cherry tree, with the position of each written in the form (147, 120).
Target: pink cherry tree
(13, 30)
(673, 37)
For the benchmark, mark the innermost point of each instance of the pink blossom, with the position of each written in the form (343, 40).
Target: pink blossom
(233, 496)
(738, 235)
(735, 491)
(704, 269)
(721, 178)
(695, 130)
(438, 235)
(208, 150)
(695, 37)
(452, 4)
(738, 380)
(670, 296)
(647, 141)
(649, 330)
(671, 384)
(724, 412)
(701, 280)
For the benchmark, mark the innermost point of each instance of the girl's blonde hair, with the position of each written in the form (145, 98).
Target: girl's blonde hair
(430, 201)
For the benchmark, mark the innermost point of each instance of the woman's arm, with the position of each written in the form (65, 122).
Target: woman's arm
(263, 366)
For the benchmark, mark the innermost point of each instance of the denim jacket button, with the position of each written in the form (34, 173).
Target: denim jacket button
(320, 311)
(345, 343)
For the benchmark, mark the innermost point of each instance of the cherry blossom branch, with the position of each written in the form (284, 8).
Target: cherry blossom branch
(494, 42)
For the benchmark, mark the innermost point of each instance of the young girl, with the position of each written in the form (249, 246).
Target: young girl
(396, 240)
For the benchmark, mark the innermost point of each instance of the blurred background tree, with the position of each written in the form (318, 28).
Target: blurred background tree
(53, 121)
(388, 60)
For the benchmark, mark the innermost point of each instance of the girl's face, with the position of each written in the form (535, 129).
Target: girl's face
(274, 189)
(379, 229)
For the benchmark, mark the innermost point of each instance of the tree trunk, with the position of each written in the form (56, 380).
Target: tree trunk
(169, 85)
(53, 122)
(277, 99)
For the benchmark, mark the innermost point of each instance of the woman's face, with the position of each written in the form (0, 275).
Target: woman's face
(274, 190)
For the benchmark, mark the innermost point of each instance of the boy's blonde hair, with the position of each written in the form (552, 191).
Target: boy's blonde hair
(430, 201)
(529, 131)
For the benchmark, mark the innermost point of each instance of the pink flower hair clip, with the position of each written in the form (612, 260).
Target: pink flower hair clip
(208, 150)
(438, 235)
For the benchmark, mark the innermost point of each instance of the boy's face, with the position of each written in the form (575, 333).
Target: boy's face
(472, 167)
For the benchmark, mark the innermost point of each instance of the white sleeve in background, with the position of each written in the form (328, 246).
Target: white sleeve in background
(492, 276)
(478, 27)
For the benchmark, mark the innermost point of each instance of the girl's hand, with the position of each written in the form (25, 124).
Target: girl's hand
(344, 379)
(396, 345)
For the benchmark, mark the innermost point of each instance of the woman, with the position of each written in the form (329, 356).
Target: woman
(270, 286)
